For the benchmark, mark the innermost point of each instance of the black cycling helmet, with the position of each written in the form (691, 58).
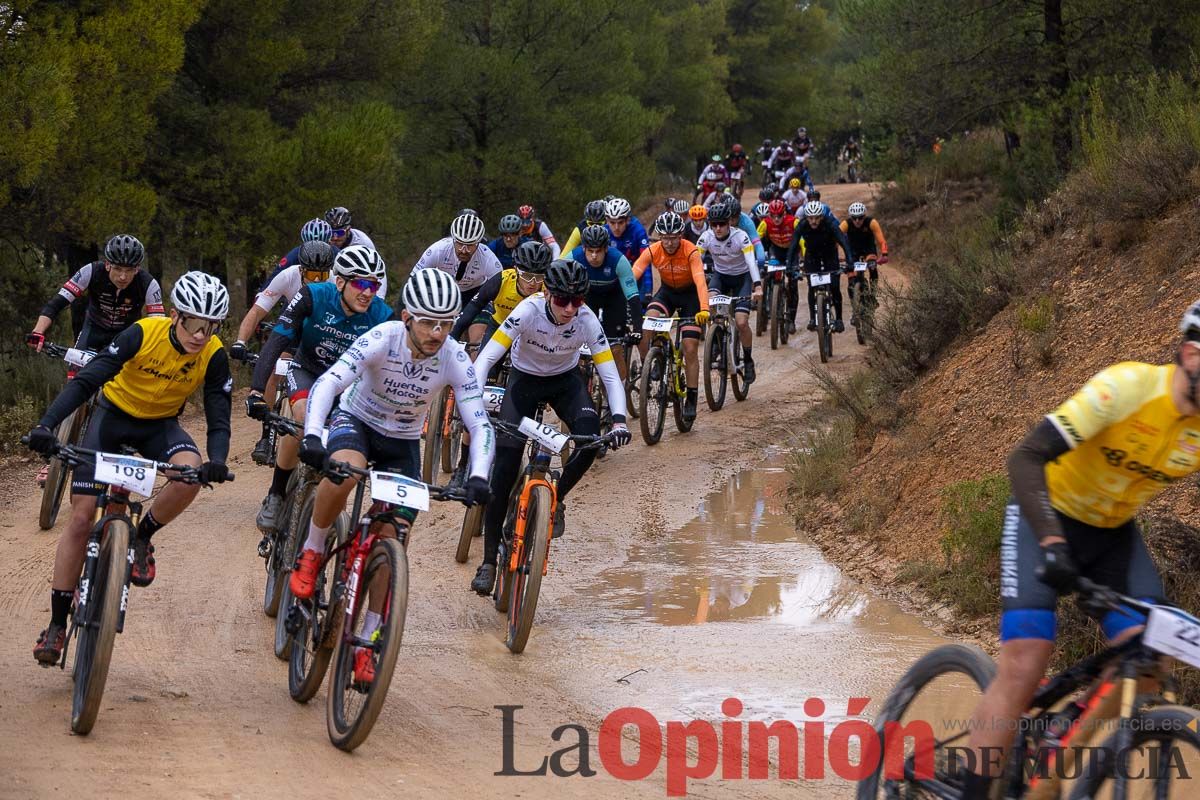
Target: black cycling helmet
(566, 278)
(720, 212)
(595, 236)
(734, 204)
(669, 224)
(532, 257)
(124, 250)
(470, 211)
(767, 193)
(595, 212)
(338, 217)
(510, 223)
(316, 256)
(815, 194)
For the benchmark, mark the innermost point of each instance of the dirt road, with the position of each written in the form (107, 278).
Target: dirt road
(680, 582)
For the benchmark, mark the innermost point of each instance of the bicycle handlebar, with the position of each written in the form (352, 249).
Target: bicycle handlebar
(73, 455)
(284, 425)
(344, 469)
(583, 441)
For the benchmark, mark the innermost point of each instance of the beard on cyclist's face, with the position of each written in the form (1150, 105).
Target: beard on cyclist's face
(595, 255)
(340, 241)
(465, 250)
(813, 222)
(428, 335)
(510, 239)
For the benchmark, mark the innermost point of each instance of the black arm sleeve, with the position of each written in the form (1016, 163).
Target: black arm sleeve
(794, 247)
(486, 294)
(1027, 474)
(285, 334)
(54, 306)
(99, 371)
(218, 384)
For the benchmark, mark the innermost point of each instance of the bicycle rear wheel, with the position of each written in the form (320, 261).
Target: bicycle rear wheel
(431, 458)
(716, 374)
(824, 335)
(527, 580)
(472, 526)
(654, 395)
(741, 389)
(857, 303)
(312, 625)
(354, 706)
(282, 546)
(762, 314)
(57, 473)
(96, 633)
(776, 316)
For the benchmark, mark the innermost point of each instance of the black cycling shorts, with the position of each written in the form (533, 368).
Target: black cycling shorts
(111, 428)
(732, 286)
(348, 432)
(685, 301)
(299, 382)
(610, 306)
(93, 337)
(566, 393)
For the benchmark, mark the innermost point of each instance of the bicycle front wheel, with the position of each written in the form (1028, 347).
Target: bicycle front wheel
(654, 395)
(741, 389)
(68, 432)
(527, 581)
(98, 629)
(431, 458)
(472, 526)
(1163, 752)
(311, 626)
(716, 373)
(941, 689)
(633, 375)
(776, 316)
(824, 332)
(354, 702)
(452, 447)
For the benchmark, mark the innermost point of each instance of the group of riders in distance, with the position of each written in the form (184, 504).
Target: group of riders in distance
(454, 374)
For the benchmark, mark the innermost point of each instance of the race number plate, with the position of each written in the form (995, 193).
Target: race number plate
(78, 358)
(493, 398)
(736, 175)
(135, 474)
(657, 323)
(547, 436)
(860, 266)
(281, 366)
(819, 279)
(719, 303)
(390, 487)
(1175, 633)
(773, 268)
(585, 351)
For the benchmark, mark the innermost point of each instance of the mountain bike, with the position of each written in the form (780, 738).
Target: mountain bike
(777, 302)
(438, 436)
(724, 354)
(327, 626)
(862, 301)
(1127, 689)
(69, 432)
(822, 283)
(472, 524)
(524, 556)
(663, 378)
(737, 183)
(279, 406)
(102, 597)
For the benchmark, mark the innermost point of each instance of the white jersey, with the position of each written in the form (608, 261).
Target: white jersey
(540, 346)
(795, 199)
(286, 285)
(358, 237)
(483, 263)
(385, 386)
(733, 255)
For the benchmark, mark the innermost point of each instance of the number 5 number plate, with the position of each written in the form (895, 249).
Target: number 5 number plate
(1175, 633)
(390, 487)
(546, 435)
(819, 279)
(135, 474)
(655, 324)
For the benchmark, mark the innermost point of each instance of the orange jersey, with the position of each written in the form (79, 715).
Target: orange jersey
(682, 270)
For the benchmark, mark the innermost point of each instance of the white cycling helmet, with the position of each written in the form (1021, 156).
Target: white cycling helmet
(617, 208)
(359, 261)
(1190, 324)
(199, 294)
(681, 207)
(430, 292)
(467, 229)
(858, 210)
(813, 208)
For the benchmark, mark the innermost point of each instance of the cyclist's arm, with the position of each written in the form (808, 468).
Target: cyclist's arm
(696, 265)
(573, 241)
(491, 263)
(468, 395)
(762, 229)
(751, 263)
(154, 301)
(880, 242)
(99, 371)
(218, 384)
(498, 345)
(844, 225)
(641, 265)
(633, 298)
(255, 315)
(747, 225)
(284, 336)
(486, 294)
(547, 237)
(844, 242)
(1027, 474)
(282, 285)
(602, 357)
(71, 291)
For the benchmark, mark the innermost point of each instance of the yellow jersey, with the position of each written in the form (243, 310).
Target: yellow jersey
(158, 379)
(507, 297)
(1128, 443)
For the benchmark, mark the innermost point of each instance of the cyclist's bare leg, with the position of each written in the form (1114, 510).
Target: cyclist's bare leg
(176, 496)
(72, 543)
(743, 325)
(288, 455)
(691, 362)
(331, 497)
(1022, 665)
(475, 334)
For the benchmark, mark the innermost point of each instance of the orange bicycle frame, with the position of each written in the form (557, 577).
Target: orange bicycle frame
(518, 549)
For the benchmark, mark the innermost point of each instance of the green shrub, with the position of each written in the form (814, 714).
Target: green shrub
(819, 466)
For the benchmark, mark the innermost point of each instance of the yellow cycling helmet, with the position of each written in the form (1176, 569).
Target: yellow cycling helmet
(794, 183)
(698, 213)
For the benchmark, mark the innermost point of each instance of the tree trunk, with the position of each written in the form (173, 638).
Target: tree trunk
(235, 280)
(1059, 82)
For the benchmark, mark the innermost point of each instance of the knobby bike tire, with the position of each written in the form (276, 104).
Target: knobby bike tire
(633, 374)
(654, 396)
(95, 637)
(737, 357)
(67, 432)
(452, 446)
(716, 358)
(822, 327)
(312, 646)
(431, 457)
(859, 305)
(950, 659)
(527, 581)
(682, 425)
(350, 726)
(472, 526)
(762, 316)
(276, 563)
(1165, 725)
(298, 516)
(785, 313)
(776, 316)
(867, 314)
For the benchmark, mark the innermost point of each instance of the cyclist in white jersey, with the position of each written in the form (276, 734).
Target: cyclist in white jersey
(735, 272)
(464, 257)
(344, 236)
(545, 332)
(387, 380)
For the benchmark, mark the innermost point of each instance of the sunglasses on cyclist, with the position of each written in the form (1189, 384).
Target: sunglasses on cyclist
(719, 224)
(314, 276)
(530, 277)
(365, 284)
(562, 301)
(197, 325)
(432, 324)
(340, 232)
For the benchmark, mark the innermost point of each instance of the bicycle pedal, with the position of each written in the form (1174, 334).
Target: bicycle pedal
(297, 615)
(264, 547)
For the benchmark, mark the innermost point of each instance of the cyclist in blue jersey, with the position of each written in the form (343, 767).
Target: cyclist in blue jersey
(629, 238)
(612, 290)
(319, 324)
(505, 245)
(315, 230)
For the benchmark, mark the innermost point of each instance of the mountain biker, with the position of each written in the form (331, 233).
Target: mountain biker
(536, 229)
(768, 193)
(697, 223)
(628, 237)
(758, 213)
(763, 154)
(735, 272)
(144, 378)
(851, 153)
(612, 290)
(545, 332)
(713, 173)
(735, 163)
(778, 228)
(718, 194)
(318, 325)
(119, 291)
(795, 197)
(463, 256)
(509, 239)
(594, 213)
(815, 194)
(683, 289)
(817, 238)
(343, 234)
(742, 220)
(866, 238)
(782, 158)
(387, 380)
(1079, 479)
(315, 230)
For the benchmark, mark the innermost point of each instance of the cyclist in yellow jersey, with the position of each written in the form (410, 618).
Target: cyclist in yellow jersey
(503, 291)
(1078, 479)
(147, 374)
